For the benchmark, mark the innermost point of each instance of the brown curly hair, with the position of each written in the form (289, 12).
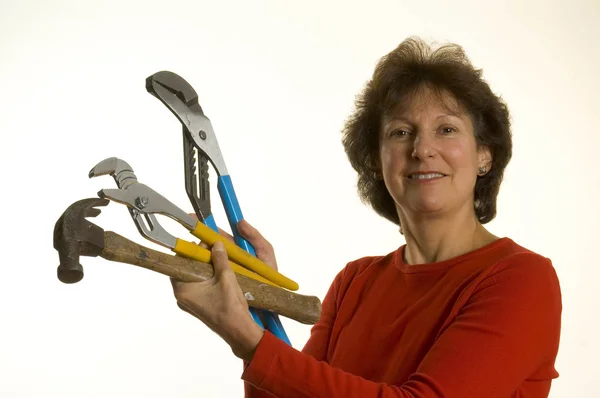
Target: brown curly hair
(397, 77)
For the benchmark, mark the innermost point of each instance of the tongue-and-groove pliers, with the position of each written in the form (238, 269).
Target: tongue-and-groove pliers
(200, 147)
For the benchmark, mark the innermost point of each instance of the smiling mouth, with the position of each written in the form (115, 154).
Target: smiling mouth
(425, 177)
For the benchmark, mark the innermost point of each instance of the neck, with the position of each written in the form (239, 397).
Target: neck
(435, 239)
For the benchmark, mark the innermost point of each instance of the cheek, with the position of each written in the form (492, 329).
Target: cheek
(384, 157)
(391, 158)
(461, 156)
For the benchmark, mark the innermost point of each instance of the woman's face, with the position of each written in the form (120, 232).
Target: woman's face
(429, 157)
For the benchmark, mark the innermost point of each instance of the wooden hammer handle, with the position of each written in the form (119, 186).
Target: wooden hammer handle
(304, 309)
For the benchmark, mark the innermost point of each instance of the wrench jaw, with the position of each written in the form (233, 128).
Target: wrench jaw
(119, 169)
(146, 223)
(135, 196)
(124, 197)
(182, 100)
(142, 201)
(145, 200)
(176, 85)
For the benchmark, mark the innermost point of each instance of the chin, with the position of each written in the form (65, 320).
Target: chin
(429, 209)
(426, 206)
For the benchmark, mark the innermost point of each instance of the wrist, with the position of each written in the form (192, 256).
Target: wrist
(246, 340)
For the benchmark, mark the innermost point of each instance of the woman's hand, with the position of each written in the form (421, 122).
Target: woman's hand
(264, 249)
(219, 302)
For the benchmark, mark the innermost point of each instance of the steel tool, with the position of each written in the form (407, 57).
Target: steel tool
(199, 138)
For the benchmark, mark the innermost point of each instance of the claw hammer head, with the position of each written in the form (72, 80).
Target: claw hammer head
(75, 236)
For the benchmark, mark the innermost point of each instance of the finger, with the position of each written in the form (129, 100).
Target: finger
(264, 249)
(226, 235)
(222, 232)
(252, 234)
(204, 245)
(221, 262)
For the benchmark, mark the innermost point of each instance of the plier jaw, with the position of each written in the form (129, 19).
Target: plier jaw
(182, 100)
(146, 200)
(135, 196)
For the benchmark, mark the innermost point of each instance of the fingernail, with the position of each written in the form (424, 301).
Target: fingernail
(219, 246)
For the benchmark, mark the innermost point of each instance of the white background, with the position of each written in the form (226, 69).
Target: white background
(277, 79)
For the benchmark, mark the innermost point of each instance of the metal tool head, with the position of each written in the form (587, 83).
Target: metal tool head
(195, 162)
(142, 201)
(130, 192)
(176, 85)
(119, 169)
(181, 99)
(75, 236)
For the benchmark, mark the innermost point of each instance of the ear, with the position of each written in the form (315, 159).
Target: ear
(484, 158)
(376, 167)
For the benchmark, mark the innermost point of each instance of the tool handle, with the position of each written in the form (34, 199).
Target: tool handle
(233, 211)
(242, 257)
(211, 223)
(234, 216)
(301, 308)
(194, 252)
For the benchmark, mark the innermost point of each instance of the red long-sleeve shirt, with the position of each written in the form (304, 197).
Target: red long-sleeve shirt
(484, 324)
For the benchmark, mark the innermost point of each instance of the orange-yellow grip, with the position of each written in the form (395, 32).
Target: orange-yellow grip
(198, 253)
(242, 257)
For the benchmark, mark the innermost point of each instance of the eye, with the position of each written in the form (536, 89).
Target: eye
(447, 130)
(398, 133)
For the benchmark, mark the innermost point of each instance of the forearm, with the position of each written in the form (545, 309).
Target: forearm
(282, 371)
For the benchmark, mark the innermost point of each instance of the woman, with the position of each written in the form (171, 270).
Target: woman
(456, 311)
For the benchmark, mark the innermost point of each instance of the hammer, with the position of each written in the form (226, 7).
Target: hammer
(75, 236)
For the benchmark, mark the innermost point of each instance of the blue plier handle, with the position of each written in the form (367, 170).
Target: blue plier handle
(198, 135)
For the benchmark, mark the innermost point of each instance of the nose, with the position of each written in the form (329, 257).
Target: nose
(423, 147)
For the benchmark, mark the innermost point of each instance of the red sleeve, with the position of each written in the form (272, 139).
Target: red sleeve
(507, 329)
(318, 342)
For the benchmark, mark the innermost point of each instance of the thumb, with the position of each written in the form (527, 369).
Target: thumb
(220, 262)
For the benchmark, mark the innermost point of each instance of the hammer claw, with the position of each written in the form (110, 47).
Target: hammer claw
(92, 212)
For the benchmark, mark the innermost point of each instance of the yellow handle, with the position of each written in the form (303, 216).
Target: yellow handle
(242, 257)
(198, 253)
